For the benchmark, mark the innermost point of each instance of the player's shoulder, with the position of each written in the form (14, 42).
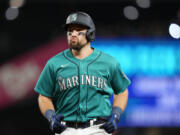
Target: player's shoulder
(56, 58)
(107, 57)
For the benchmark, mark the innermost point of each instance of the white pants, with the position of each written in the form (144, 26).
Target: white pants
(92, 130)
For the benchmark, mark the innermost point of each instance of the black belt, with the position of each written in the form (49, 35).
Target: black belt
(85, 124)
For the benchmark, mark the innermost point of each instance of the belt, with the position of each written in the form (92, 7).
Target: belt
(89, 123)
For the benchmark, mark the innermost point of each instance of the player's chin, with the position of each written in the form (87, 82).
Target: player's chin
(75, 47)
(73, 44)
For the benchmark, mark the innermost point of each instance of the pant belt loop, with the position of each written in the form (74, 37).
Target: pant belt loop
(91, 123)
(76, 125)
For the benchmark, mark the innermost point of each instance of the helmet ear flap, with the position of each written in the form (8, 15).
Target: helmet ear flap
(90, 35)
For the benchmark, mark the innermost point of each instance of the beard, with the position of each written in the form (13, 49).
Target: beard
(76, 46)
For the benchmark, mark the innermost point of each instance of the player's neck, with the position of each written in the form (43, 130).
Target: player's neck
(83, 52)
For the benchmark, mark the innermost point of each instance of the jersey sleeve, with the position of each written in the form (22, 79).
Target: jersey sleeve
(119, 80)
(46, 81)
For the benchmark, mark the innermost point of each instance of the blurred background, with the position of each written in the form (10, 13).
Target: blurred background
(144, 35)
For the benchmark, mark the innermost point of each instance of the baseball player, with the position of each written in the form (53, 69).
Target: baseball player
(75, 86)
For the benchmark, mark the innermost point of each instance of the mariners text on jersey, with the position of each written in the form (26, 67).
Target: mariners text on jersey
(85, 80)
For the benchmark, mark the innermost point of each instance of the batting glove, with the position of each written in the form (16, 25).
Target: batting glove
(55, 121)
(113, 120)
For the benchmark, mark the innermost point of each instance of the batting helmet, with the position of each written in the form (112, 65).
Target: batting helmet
(82, 19)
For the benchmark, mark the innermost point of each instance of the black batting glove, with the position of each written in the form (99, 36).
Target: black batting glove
(55, 121)
(113, 120)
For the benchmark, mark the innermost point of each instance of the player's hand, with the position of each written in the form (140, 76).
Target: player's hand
(55, 121)
(113, 120)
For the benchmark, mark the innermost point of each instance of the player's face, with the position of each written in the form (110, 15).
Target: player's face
(76, 36)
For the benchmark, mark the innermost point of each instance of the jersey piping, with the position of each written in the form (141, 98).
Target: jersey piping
(88, 74)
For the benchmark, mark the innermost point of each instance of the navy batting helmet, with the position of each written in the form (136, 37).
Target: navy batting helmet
(82, 19)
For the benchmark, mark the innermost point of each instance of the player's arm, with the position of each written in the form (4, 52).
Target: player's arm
(45, 103)
(119, 83)
(119, 105)
(47, 109)
(120, 100)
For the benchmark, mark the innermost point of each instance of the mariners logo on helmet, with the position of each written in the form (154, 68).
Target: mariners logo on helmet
(74, 17)
(71, 18)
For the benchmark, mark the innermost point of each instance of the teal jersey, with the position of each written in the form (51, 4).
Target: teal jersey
(81, 88)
